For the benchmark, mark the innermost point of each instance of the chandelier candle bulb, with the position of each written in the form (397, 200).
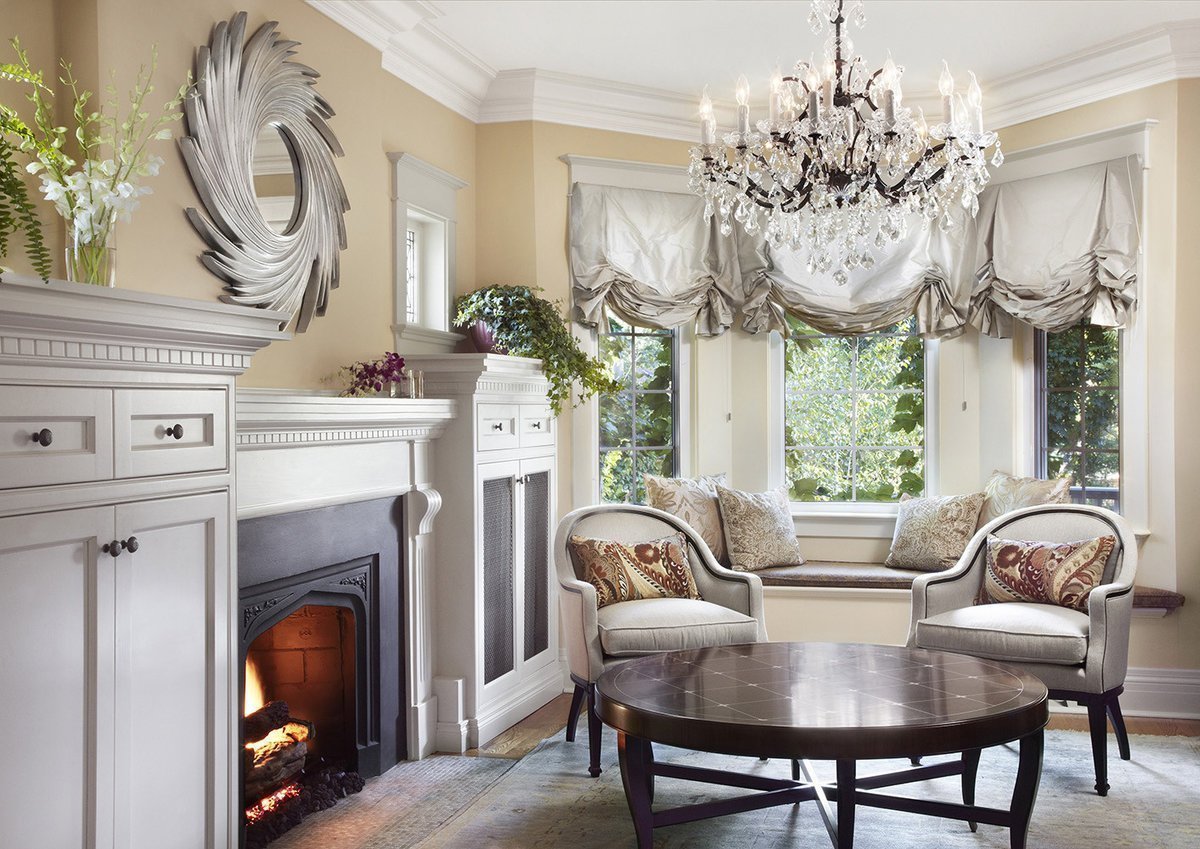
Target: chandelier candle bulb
(743, 101)
(708, 123)
(775, 101)
(946, 87)
(975, 101)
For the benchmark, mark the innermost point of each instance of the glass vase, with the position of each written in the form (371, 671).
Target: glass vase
(95, 261)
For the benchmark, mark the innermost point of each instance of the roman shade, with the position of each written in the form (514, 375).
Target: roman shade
(651, 257)
(923, 275)
(1058, 249)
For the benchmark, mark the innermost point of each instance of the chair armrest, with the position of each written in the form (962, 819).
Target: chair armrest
(1110, 609)
(577, 601)
(740, 591)
(940, 592)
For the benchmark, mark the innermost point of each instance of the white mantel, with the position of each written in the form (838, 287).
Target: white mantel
(302, 450)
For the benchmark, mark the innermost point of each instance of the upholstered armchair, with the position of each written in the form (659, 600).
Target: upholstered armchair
(730, 610)
(1081, 657)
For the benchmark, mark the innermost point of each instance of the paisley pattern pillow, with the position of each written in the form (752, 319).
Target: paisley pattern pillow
(1005, 493)
(627, 572)
(759, 531)
(932, 533)
(1062, 573)
(694, 501)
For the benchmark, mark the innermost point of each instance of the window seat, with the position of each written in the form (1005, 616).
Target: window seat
(878, 576)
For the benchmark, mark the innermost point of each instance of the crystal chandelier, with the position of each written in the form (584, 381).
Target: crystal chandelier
(840, 165)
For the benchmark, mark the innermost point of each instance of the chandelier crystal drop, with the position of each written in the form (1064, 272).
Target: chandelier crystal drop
(841, 165)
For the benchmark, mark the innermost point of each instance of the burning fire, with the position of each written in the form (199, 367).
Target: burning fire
(269, 803)
(256, 697)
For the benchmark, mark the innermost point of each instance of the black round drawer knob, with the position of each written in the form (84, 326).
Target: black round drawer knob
(173, 430)
(113, 548)
(43, 437)
(130, 545)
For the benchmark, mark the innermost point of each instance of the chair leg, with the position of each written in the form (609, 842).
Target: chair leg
(1118, 724)
(595, 729)
(1098, 725)
(573, 714)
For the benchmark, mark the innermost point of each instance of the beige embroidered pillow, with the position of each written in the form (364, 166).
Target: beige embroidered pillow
(627, 572)
(932, 533)
(1005, 493)
(694, 501)
(758, 529)
(1044, 572)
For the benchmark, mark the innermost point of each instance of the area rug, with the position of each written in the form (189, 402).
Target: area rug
(547, 801)
(398, 809)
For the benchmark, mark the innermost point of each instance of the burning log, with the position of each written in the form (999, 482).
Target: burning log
(263, 721)
(271, 761)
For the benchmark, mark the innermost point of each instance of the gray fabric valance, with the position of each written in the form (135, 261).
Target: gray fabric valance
(652, 258)
(924, 274)
(1058, 249)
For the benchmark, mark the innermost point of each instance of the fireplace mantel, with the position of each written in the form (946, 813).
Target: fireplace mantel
(304, 450)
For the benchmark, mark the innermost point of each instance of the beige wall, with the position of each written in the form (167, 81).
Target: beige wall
(375, 114)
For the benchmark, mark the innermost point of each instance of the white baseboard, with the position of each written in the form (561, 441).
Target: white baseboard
(496, 718)
(1166, 693)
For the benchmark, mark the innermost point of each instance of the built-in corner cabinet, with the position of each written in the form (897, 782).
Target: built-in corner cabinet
(117, 681)
(497, 629)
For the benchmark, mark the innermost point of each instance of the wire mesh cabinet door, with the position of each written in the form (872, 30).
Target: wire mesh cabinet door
(498, 524)
(537, 504)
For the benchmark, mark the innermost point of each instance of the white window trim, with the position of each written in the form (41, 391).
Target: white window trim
(585, 418)
(425, 196)
(858, 519)
(1125, 140)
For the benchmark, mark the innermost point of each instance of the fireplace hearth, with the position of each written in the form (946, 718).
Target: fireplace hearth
(321, 642)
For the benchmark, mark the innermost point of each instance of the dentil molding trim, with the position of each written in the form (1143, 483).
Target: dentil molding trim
(415, 51)
(281, 418)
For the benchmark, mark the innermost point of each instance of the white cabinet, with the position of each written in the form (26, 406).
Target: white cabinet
(117, 596)
(497, 630)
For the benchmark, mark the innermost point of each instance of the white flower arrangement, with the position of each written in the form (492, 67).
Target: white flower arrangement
(104, 185)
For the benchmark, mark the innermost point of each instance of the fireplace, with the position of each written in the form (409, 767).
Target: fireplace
(323, 661)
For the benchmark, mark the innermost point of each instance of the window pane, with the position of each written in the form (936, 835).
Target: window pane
(857, 398)
(819, 419)
(1102, 418)
(818, 475)
(1103, 356)
(1064, 464)
(1062, 420)
(640, 421)
(1063, 363)
(1102, 469)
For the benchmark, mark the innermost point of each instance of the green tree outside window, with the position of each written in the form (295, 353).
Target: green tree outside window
(637, 423)
(854, 414)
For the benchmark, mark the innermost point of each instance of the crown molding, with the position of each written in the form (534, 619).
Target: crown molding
(412, 48)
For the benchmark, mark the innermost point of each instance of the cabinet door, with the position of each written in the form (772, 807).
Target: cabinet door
(172, 703)
(498, 511)
(537, 498)
(54, 663)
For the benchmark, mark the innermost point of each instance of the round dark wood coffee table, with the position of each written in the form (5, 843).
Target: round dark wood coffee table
(823, 701)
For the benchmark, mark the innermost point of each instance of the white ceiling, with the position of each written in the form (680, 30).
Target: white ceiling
(508, 59)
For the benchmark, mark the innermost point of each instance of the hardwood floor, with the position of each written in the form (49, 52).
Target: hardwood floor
(519, 740)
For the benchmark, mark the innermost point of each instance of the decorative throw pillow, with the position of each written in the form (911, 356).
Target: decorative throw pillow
(1062, 573)
(626, 572)
(1005, 493)
(694, 501)
(758, 529)
(932, 533)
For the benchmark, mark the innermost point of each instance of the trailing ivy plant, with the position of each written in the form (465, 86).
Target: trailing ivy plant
(528, 326)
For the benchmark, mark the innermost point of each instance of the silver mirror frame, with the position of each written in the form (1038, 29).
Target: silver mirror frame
(240, 88)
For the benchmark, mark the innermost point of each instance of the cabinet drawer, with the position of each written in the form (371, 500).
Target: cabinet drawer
(169, 431)
(536, 425)
(76, 424)
(497, 426)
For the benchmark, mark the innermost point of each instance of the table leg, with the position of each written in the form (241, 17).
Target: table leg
(845, 804)
(636, 757)
(970, 767)
(1029, 775)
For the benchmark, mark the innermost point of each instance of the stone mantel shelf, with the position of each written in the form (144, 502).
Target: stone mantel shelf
(95, 326)
(274, 418)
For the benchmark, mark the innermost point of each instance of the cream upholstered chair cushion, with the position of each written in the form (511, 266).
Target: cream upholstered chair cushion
(1014, 631)
(657, 624)
(1004, 493)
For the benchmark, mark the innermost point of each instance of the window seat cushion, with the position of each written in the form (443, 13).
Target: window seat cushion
(833, 574)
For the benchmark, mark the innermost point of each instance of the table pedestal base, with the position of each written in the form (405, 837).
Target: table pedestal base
(837, 802)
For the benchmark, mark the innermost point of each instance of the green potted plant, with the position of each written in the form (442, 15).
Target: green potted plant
(522, 324)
